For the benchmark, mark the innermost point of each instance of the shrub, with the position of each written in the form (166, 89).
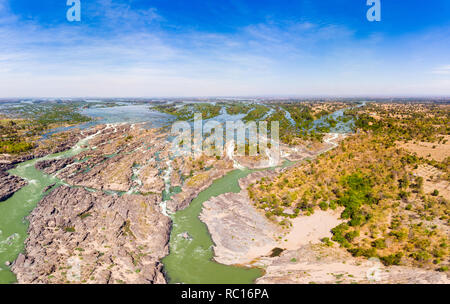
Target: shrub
(276, 252)
(323, 206)
(327, 241)
(69, 229)
(393, 259)
(379, 244)
(368, 253)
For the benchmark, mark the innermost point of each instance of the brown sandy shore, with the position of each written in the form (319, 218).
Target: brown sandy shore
(243, 235)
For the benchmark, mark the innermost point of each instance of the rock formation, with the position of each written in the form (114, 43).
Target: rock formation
(9, 184)
(91, 237)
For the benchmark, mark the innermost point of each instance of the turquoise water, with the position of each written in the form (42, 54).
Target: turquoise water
(13, 225)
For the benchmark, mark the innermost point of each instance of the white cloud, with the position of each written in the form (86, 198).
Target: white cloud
(442, 70)
(132, 56)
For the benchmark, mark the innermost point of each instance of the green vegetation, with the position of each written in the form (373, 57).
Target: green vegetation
(237, 108)
(187, 111)
(276, 252)
(386, 211)
(48, 114)
(15, 146)
(19, 134)
(405, 122)
(257, 113)
(69, 229)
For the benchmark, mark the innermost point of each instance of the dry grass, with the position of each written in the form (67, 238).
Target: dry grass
(436, 151)
(432, 180)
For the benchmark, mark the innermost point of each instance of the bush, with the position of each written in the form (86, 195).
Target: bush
(368, 253)
(333, 205)
(276, 252)
(69, 229)
(327, 241)
(393, 259)
(379, 244)
(443, 268)
(421, 256)
(351, 235)
(399, 234)
(323, 206)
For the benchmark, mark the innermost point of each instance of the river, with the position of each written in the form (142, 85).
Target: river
(189, 261)
(13, 225)
(191, 256)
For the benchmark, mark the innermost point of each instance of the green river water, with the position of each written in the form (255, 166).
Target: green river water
(189, 261)
(13, 225)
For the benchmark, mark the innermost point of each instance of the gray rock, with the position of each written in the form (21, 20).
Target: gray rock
(108, 238)
(9, 184)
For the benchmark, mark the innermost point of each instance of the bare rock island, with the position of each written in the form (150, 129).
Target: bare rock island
(9, 184)
(91, 237)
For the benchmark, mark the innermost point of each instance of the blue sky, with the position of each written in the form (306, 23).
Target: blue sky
(139, 48)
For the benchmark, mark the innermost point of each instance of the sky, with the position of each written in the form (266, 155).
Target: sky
(176, 48)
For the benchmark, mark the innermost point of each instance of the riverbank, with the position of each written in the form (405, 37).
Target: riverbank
(53, 223)
(100, 205)
(10, 184)
(292, 250)
(92, 237)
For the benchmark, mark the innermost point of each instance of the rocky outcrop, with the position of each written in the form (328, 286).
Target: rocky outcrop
(293, 254)
(240, 234)
(191, 190)
(53, 165)
(90, 237)
(64, 141)
(9, 184)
